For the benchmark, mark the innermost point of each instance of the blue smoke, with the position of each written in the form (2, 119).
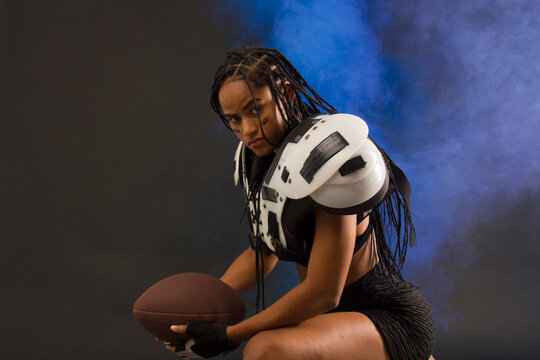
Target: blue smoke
(330, 44)
(450, 89)
(476, 134)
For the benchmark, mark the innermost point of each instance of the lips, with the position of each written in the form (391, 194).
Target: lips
(256, 142)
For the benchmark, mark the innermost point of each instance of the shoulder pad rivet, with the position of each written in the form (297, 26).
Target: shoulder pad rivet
(279, 167)
(280, 199)
(307, 137)
(314, 128)
(289, 181)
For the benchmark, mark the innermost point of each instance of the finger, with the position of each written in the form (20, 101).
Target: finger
(187, 354)
(189, 343)
(184, 351)
(180, 329)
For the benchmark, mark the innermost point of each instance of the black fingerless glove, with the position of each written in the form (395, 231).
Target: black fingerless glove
(210, 338)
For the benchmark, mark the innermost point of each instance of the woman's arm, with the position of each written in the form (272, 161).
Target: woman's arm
(329, 263)
(241, 274)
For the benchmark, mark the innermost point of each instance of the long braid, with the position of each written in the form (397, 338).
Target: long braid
(260, 66)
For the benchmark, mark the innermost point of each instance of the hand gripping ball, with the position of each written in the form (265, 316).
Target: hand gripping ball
(187, 296)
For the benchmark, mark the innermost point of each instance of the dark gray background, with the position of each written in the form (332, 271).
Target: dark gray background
(115, 174)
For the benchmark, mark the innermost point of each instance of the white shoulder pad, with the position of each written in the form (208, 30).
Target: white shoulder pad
(359, 184)
(314, 152)
(237, 156)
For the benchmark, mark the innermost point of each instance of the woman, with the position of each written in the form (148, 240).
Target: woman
(321, 193)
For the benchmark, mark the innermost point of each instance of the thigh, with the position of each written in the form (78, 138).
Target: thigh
(345, 335)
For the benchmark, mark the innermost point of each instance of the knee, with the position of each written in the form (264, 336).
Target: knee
(264, 346)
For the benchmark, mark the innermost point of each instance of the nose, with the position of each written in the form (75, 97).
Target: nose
(250, 126)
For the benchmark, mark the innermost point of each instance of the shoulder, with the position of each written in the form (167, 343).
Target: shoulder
(331, 159)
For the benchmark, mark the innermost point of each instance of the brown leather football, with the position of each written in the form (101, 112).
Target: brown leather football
(187, 296)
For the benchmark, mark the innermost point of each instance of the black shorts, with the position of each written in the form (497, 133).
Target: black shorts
(399, 311)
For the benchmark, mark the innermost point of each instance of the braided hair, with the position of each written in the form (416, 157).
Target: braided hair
(261, 66)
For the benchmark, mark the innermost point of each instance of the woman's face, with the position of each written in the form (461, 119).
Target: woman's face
(240, 111)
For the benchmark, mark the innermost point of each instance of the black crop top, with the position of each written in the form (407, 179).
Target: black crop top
(301, 256)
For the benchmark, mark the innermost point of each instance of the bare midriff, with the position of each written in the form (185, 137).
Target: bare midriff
(362, 261)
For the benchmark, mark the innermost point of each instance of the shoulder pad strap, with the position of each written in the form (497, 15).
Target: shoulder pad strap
(237, 164)
(308, 161)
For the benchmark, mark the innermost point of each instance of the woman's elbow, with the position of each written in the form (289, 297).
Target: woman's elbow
(329, 301)
(323, 297)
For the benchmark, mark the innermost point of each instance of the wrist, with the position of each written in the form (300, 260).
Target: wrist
(234, 335)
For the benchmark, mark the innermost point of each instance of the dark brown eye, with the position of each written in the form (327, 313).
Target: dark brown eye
(233, 119)
(255, 109)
